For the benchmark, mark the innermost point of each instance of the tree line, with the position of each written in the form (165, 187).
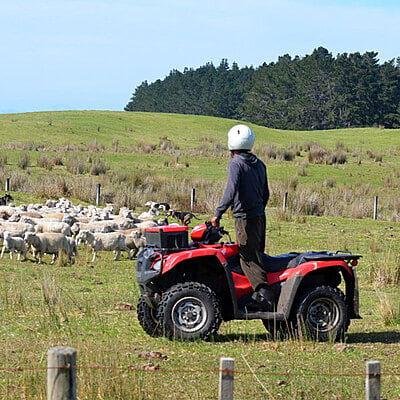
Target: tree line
(317, 91)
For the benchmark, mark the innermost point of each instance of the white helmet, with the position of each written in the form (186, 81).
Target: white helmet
(240, 137)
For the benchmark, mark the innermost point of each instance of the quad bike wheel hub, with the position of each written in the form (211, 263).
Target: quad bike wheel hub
(189, 314)
(323, 314)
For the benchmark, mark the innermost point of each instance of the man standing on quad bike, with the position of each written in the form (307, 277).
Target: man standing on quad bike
(247, 194)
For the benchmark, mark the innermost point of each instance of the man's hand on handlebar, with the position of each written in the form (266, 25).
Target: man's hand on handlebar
(215, 222)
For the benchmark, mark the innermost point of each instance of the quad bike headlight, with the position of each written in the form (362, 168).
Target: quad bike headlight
(157, 265)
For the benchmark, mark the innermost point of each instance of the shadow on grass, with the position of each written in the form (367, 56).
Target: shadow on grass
(373, 337)
(244, 338)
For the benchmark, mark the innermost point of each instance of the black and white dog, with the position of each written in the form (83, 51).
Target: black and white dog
(5, 199)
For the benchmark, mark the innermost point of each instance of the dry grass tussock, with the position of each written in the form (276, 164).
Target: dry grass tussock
(389, 308)
(331, 199)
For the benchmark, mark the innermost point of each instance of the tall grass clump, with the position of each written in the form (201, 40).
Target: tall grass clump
(377, 157)
(45, 161)
(20, 181)
(166, 145)
(98, 167)
(272, 152)
(145, 147)
(76, 164)
(384, 267)
(389, 308)
(3, 160)
(210, 147)
(94, 147)
(52, 187)
(319, 155)
(24, 160)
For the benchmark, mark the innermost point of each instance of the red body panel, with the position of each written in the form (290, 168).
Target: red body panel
(168, 228)
(304, 269)
(175, 258)
(241, 283)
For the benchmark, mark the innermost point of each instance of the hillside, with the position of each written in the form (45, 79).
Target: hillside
(331, 178)
(137, 156)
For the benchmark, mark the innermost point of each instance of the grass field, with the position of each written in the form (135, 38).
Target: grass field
(91, 306)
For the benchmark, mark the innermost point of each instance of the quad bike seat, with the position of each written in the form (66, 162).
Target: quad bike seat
(279, 262)
(291, 260)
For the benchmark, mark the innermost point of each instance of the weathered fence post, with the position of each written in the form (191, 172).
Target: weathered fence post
(7, 187)
(373, 380)
(192, 199)
(61, 374)
(226, 378)
(98, 194)
(375, 207)
(285, 197)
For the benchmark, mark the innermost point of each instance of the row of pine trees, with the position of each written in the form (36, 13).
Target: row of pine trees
(317, 91)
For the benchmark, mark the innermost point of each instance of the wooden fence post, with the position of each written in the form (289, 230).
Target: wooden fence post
(375, 207)
(61, 374)
(226, 378)
(7, 187)
(98, 194)
(192, 199)
(285, 197)
(373, 380)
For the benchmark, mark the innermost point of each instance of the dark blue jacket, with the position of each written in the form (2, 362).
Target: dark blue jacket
(246, 191)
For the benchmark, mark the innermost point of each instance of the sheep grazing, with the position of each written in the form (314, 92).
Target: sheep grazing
(73, 248)
(13, 244)
(112, 241)
(15, 228)
(55, 227)
(50, 243)
(135, 242)
(142, 226)
(6, 212)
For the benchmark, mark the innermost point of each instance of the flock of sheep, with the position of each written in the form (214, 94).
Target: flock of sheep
(58, 227)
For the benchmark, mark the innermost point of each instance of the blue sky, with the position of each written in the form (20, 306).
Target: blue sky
(92, 54)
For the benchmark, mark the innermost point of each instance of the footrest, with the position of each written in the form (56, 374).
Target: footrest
(261, 315)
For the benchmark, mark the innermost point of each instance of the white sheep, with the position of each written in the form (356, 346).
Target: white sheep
(103, 226)
(142, 226)
(13, 243)
(15, 228)
(112, 241)
(135, 242)
(42, 225)
(73, 248)
(50, 243)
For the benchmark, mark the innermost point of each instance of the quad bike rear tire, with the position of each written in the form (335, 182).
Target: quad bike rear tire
(189, 311)
(322, 314)
(148, 318)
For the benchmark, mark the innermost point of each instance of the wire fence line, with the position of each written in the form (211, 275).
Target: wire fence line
(195, 371)
(62, 374)
(193, 198)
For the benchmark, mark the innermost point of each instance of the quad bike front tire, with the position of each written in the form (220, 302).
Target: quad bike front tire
(148, 318)
(189, 311)
(322, 314)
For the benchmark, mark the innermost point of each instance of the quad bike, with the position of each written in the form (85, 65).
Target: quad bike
(188, 289)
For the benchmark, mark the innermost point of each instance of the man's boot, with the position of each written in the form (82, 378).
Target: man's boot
(262, 300)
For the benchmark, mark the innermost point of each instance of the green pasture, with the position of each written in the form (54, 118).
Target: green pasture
(92, 306)
(67, 127)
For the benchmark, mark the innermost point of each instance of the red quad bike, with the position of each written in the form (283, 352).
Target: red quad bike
(188, 289)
